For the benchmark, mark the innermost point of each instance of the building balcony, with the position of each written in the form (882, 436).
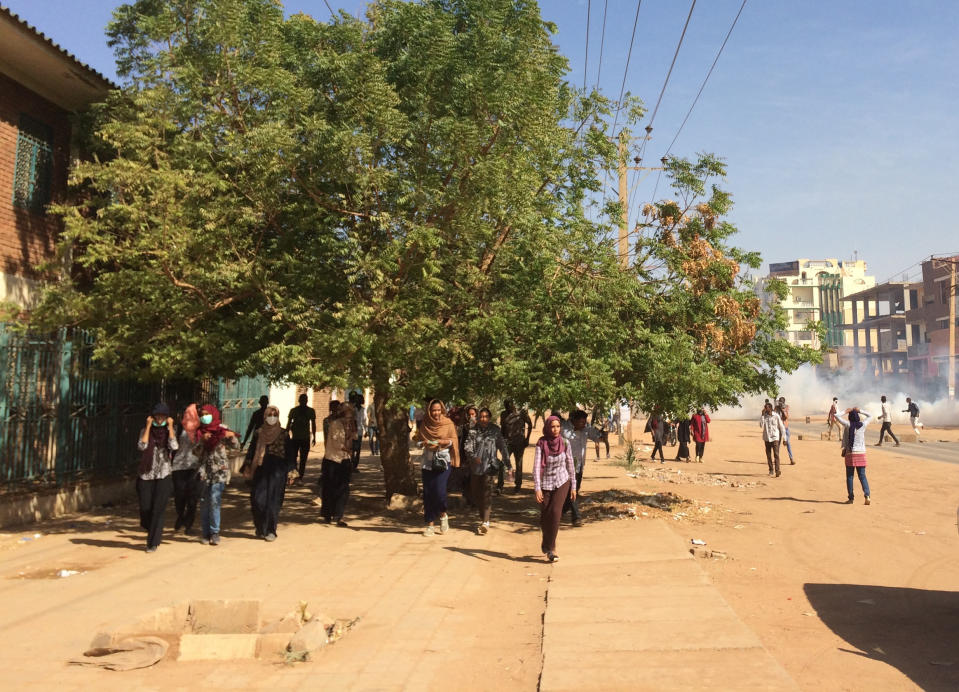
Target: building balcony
(918, 350)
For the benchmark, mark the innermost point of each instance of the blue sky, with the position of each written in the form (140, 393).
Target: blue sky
(837, 118)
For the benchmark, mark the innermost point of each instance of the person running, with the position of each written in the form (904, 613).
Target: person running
(783, 410)
(270, 469)
(483, 443)
(213, 440)
(578, 435)
(831, 421)
(854, 450)
(773, 433)
(301, 427)
(186, 474)
(157, 443)
(699, 425)
(337, 467)
(517, 428)
(913, 412)
(683, 437)
(886, 423)
(657, 428)
(553, 475)
(436, 434)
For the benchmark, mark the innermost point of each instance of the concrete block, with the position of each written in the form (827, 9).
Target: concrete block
(313, 635)
(218, 647)
(225, 617)
(272, 645)
(906, 437)
(288, 624)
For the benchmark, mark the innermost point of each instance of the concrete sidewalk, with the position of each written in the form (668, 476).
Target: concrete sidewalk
(641, 614)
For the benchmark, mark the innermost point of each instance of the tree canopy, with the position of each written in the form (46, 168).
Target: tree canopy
(413, 200)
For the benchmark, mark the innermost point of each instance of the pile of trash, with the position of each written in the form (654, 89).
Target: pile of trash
(671, 474)
(622, 504)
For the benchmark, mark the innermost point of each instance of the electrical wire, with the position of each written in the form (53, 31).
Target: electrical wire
(332, 13)
(589, 13)
(629, 55)
(602, 42)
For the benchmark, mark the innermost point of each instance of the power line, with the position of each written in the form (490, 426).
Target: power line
(589, 12)
(332, 13)
(602, 42)
(629, 55)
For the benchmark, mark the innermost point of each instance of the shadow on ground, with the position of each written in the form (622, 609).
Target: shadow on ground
(804, 499)
(913, 630)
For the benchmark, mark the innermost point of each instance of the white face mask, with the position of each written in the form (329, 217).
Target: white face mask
(272, 420)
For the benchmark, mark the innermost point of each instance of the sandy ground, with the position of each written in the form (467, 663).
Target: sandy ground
(843, 596)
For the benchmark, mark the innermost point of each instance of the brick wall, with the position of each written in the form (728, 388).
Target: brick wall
(27, 238)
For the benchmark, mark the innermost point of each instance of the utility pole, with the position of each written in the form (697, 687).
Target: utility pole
(623, 249)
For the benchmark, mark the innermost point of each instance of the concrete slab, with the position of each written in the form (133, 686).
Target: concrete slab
(225, 617)
(217, 647)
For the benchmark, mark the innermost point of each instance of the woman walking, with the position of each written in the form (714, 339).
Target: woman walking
(186, 474)
(482, 445)
(854, 423)
(156, 444)
(699, 426)
(214, 438)
(436, 434)
(553, 475)
(337, 466)
(682, 436)
(270, 470)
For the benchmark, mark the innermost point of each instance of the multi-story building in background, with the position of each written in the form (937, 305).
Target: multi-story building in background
(816, 289)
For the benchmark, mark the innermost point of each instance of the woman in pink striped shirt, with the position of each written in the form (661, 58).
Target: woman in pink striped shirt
(553, 472)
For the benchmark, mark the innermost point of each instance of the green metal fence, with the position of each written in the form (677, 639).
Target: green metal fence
(60, 422)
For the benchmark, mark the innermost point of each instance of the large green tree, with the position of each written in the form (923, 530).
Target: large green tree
(398, 201)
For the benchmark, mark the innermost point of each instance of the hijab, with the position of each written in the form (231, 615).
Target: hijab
(444, 429)
(551, 445)
(214, 428)
(159, 438)
(190, 422)
(855, 422)
(267, 434)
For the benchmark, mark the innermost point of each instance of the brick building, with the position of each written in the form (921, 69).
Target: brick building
(41, 86)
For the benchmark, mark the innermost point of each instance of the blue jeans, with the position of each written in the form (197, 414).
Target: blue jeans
(789, 447)
(210, 516)
(861, 470)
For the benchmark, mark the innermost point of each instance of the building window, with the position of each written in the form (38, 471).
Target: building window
(34, 169)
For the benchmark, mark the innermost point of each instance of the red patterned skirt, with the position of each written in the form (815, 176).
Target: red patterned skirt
(855, 458)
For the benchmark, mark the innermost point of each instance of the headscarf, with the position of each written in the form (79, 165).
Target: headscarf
(550, 445)
(159, 438)
(266, 435)
(215, 429)
(190, 422)
(428, 430)
(855, 422)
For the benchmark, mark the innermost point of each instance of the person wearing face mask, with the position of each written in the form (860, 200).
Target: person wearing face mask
(553, 475)
(213, 438)
(337, 465)
(436, 435)
(186, 475)
(157, 443)
(483, 443)
(270, 471)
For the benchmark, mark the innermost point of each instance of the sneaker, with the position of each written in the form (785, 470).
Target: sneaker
(151, 549)
(772, 475)
(270, 537)
(429, 531)
(215, 539)
(848, 502)
(482, 529)
(778, 474)
(552, 557)
(205, 540)
(867, 500)
(897, 444)
(444, 524)
(342, 524)
(792, 463)
(878, 444)
(577, 522)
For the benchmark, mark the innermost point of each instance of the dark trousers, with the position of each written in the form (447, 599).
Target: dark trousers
(434, 493)
(301, 448)
(659, 446)
(267, 493)
(571, 504)
(683, 452)
(481, 490)
(186, 495)
(772, 454)
(700, 448)
(550, 515)
(336, 488)
(355, 456)
(887, 428)
(603, 439)
(153, 496)
(459, 482)
(516, 451)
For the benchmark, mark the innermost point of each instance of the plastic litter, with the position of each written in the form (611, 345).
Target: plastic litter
(698, 541)
(67, 572)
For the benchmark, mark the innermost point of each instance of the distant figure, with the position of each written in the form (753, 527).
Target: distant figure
(657, 428)
(854, 450)
(913, 412)
(773, 432)
(699, 426)
(683, 437)
(831, 421)
(359, 413)
(516, 427)
(256, 420)
(601, 425)
(301, 426)
(373, 429)
(337, 466)
(886, 423)
(783, 410)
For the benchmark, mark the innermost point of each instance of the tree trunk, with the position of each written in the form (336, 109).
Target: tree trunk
(398, 473)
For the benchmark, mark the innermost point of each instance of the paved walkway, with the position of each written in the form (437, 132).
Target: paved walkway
(641, 614)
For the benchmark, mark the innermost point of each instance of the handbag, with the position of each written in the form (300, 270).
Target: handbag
(441, 460)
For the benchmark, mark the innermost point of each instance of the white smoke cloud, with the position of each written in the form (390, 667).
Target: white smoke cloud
(809, 395)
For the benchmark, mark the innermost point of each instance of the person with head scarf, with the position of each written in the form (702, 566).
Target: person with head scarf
(213, 438)
(854, 424)
(186, 474)
(157, 442)
(270, 471)
(554, 472)
(699, 426)
(337, 465)
(436, 435)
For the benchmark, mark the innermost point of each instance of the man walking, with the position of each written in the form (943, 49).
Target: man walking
(516, 427)
(577, 434)
(913, 412)
(301, 425)
(773, 433)
(886, 423)
(783, 410)
(831, 421)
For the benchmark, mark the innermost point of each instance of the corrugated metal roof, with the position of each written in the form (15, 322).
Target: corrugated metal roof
(4, 10)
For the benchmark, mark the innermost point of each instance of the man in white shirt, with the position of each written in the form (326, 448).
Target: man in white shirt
(578, 435)
(886, 423)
